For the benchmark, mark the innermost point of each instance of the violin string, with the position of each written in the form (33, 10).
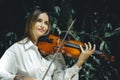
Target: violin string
(58, 49)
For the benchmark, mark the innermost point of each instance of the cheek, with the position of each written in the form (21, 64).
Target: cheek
(46, 28)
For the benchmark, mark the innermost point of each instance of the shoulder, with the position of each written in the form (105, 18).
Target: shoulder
(17, 45)
(14, 47)
(23, 41)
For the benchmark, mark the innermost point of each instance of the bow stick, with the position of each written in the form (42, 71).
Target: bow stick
(58, 48)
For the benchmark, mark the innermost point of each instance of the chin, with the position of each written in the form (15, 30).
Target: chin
(41, 34)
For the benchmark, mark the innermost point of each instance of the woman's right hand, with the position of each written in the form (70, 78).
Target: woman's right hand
(24, 78)
(27, 78)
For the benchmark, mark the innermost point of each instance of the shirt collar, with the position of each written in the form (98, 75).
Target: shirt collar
(27, 43)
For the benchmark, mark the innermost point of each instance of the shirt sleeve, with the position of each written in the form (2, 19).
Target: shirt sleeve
(7, 65)
(63, 73)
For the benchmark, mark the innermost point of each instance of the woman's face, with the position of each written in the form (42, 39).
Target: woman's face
(41, 25)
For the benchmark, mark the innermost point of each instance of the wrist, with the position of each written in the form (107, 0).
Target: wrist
(79, 64)
(18, 78)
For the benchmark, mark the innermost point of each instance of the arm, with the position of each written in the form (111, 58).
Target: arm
(24, 78)
(63, 73)
(7, 65)
(72, 73)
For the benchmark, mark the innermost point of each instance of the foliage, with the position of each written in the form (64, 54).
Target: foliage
(7, 41)
(94, 28)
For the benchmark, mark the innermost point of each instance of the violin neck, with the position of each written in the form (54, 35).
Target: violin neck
(69, 44)
(104, 55)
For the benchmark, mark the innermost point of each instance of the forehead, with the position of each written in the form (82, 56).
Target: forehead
(43, 16)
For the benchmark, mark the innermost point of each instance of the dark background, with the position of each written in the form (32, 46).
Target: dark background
(12, 16)
(13, 12)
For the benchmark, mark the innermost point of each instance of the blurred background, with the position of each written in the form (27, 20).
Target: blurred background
(97, 21)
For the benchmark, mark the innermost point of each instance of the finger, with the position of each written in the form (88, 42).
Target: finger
(86, 46)
(89, 44)
(81, 48)
(94, 47)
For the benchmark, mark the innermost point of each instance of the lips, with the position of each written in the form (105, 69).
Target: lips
(41, 30)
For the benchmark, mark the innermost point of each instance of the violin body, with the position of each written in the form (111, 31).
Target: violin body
(71, 47)
(50, 46)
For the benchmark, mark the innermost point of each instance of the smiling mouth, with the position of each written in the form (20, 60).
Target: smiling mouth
(41, 30)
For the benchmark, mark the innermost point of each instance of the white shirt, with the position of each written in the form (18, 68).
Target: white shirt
(24, 59)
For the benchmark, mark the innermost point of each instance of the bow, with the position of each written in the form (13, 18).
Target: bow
(59, 48)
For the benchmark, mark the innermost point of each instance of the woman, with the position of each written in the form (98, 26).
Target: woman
(23, 60)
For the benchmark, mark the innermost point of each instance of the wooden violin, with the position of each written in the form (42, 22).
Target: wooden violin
(71, 47)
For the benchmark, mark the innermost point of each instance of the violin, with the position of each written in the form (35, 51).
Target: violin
(51, 43)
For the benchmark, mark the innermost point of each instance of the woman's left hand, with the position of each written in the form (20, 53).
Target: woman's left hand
(85, 53)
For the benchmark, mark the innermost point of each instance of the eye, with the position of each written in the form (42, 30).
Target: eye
(46, 22)
(39, 20)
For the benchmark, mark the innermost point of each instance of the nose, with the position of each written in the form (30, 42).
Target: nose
(42, 24)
